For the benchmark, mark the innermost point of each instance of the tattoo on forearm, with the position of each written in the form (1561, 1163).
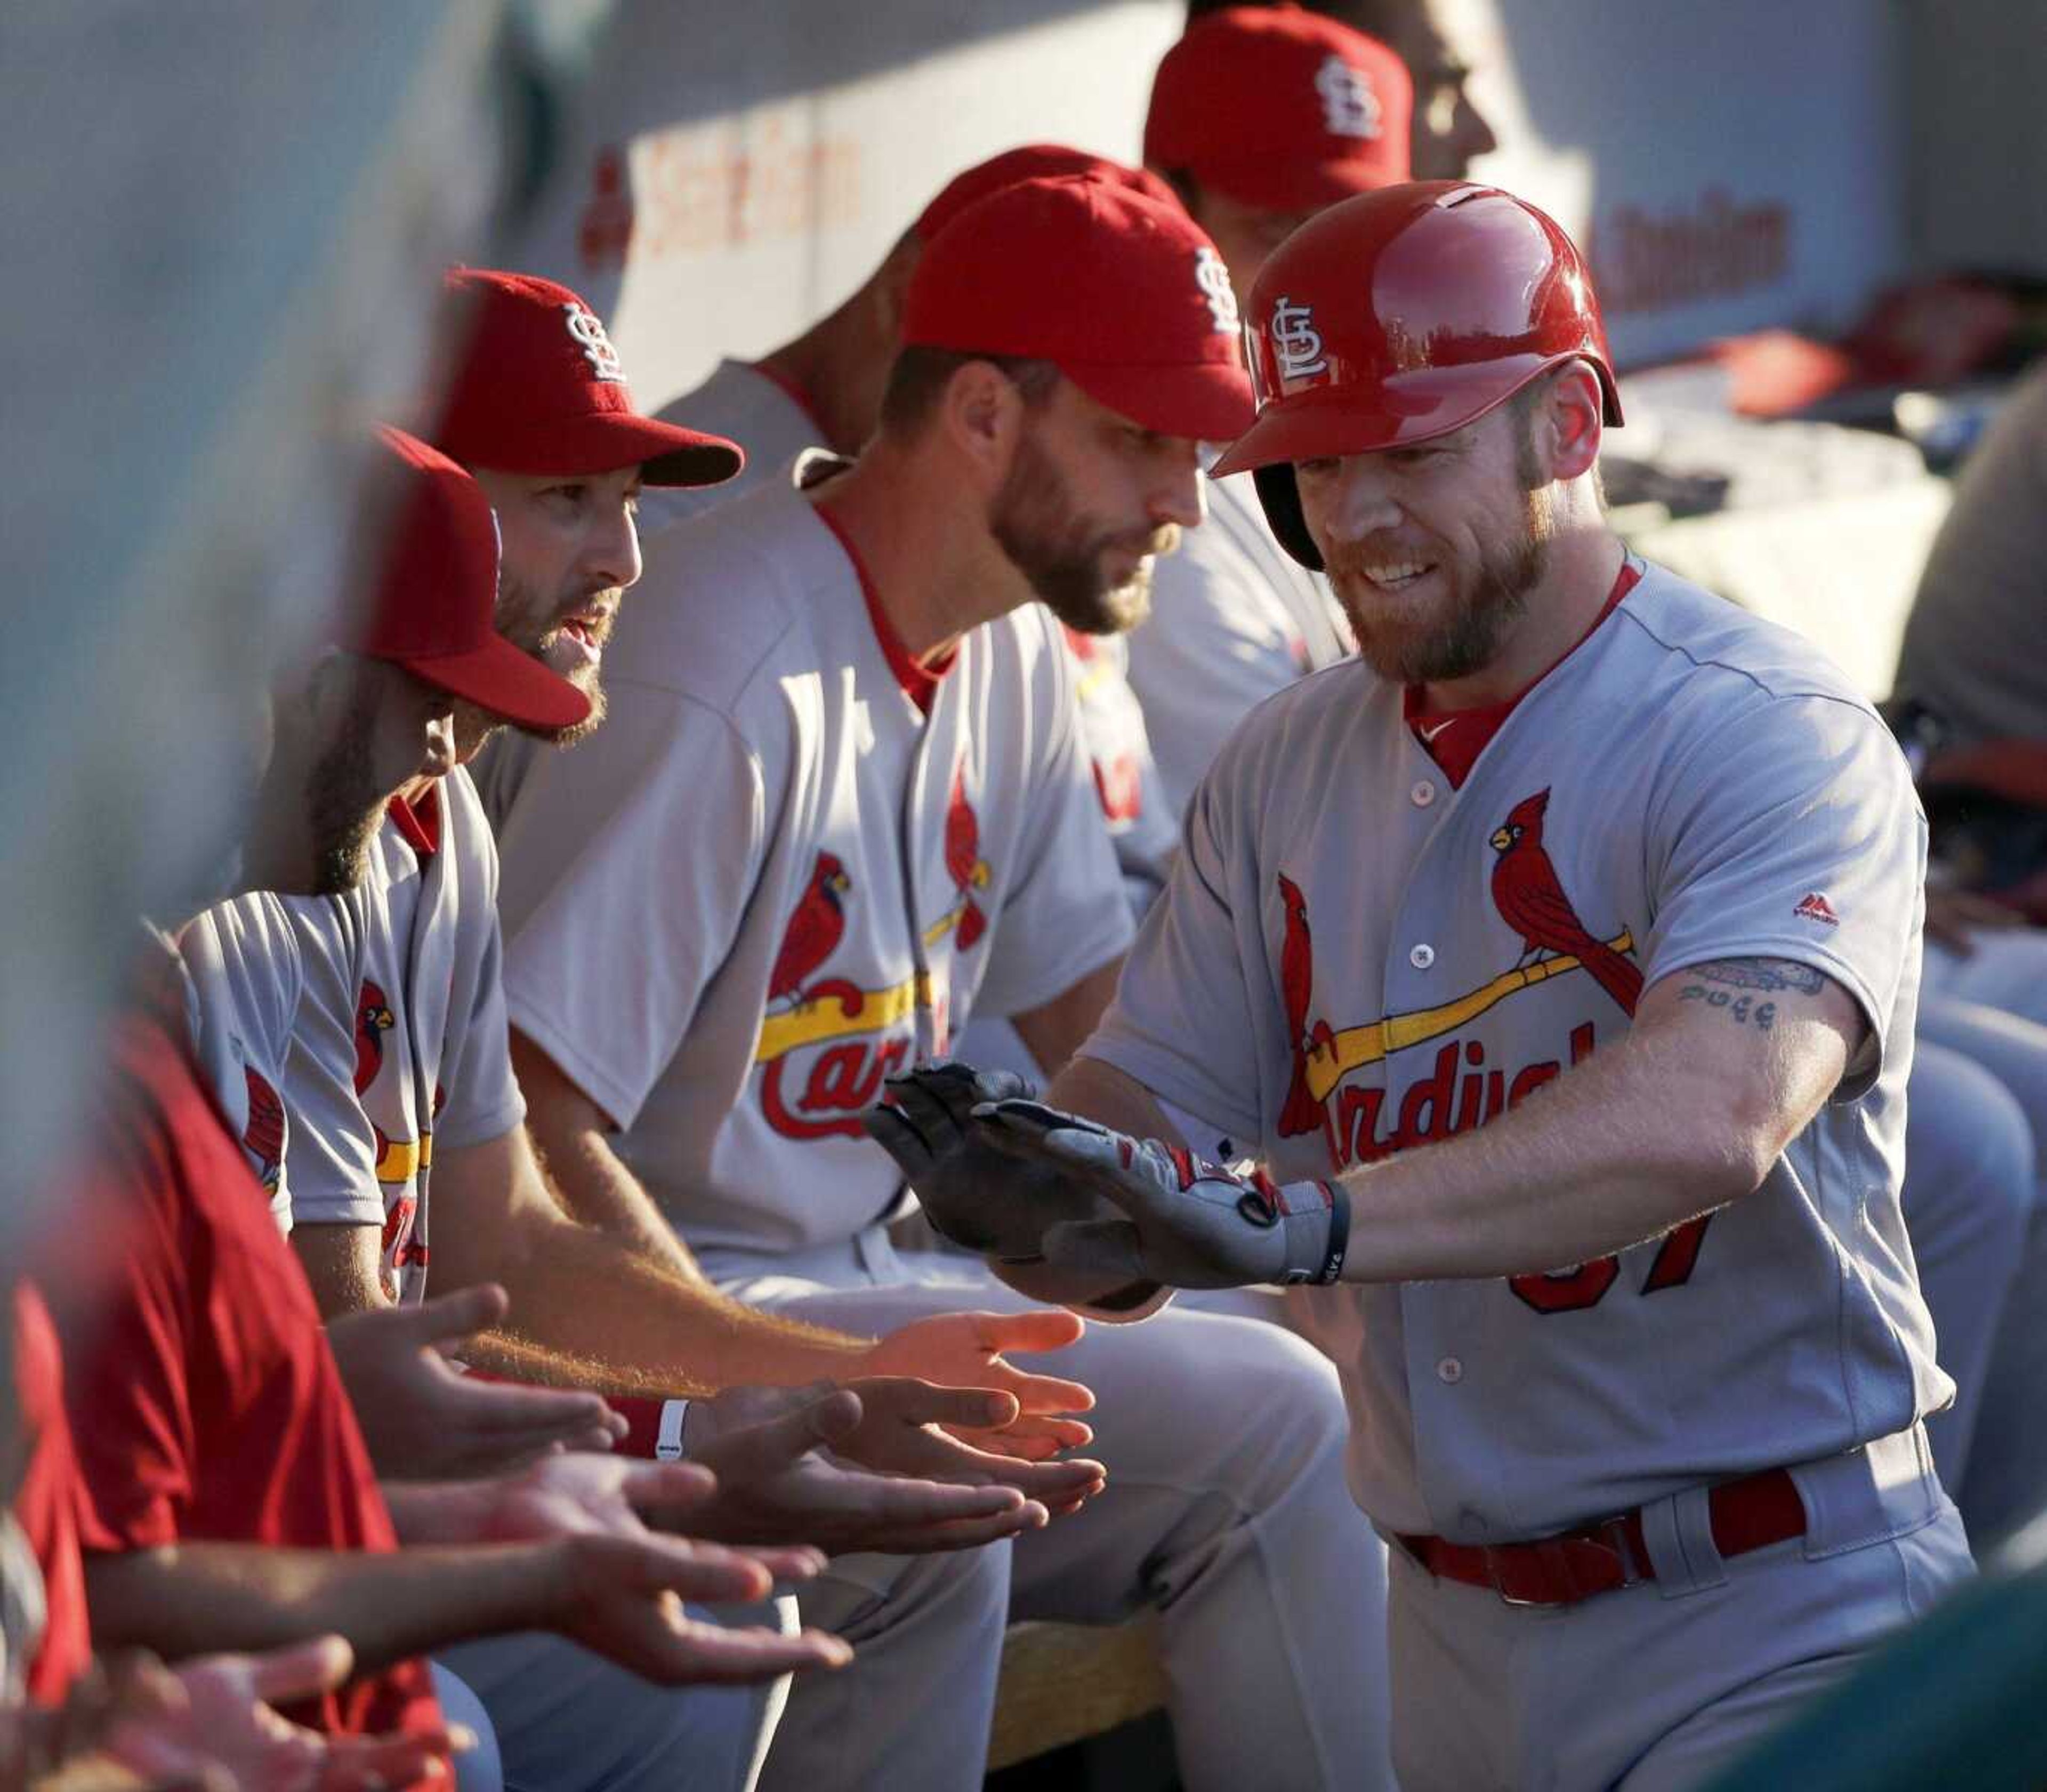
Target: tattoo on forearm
(1715, 984)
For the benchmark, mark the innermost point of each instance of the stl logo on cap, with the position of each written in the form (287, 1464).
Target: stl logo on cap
(1296, 341)
(1212, 277)
(1349, 106)
(588, 329)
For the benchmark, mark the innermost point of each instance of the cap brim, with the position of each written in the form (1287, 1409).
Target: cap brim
(512, 685)
(1206, 400)
(1352, 418)
(604, 441)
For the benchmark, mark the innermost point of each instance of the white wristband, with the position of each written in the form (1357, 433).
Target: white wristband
(668, 1439)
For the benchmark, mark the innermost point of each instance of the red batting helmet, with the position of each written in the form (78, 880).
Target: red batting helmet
(1401, 315)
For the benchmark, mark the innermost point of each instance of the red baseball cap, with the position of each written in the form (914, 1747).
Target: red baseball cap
(1124, 294)
(1281, 109)
(539, 389)
(1033, 161)
(433, 609)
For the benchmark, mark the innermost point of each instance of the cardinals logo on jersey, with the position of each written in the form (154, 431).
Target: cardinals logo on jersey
(1460, 1091)
(813, 932)
(264, 1137)
(1532, 901)
(396, 1159)
(373, 1019)
(805, 1009)
(968, 869)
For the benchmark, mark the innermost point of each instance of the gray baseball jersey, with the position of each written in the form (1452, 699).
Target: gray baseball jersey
(771, 878)
(1332, 975)
(1234, 618)
(243, 979)
(401, 1041)
(747, 406)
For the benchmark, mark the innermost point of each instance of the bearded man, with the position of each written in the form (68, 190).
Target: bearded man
(841, 804)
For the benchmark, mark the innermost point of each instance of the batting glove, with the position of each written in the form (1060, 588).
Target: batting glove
(974, 1193)
(1187, 1224)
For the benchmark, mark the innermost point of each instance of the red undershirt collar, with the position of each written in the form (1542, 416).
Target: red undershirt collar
(1454, 738)
(920, 683)
(419, 824)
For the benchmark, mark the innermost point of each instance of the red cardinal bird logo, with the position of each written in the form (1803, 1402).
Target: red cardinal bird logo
(1530, 899)
(963, 861)
(1303, 1112)
(815, 929)
(263, 1139)
(373, 1019)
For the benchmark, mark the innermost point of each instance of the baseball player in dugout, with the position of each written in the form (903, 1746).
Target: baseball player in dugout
(1259, 117)
(839, 805)
(1448, 132)
(824, 389)
(221, 1489)
(1542, 985)
(400, 1036)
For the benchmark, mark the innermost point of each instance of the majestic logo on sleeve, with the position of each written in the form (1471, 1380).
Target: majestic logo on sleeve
(1814, 906)
(1296, 341)
(1349, 106)
(588, 331)
(1212, 277)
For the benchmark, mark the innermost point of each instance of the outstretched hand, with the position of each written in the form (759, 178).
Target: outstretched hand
(623, 1597)
(423, 1419)
(909, 1427)
(771, 1450)
(1180, 1222)
(222, 1726)
(970, 1350)
(576, 1495)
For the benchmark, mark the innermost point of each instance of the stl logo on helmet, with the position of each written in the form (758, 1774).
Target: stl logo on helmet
(1212, 277)
(1296, 341)
(587, 328)
(1349, 106)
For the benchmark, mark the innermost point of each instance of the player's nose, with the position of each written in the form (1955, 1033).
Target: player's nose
(1357, 500)
(614, 553)
(1178, 496)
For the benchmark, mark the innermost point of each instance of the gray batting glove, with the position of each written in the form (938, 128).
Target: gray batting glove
(1187, 1224)
(974, 1192)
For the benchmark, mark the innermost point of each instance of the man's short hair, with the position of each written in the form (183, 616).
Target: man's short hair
(919, 375)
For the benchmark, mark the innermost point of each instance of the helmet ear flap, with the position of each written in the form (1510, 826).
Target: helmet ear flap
(1280, 493)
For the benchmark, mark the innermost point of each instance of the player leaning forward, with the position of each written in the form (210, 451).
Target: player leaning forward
(840, 803)
(1608, 894)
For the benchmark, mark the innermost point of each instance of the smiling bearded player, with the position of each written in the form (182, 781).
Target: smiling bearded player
(1557, 960)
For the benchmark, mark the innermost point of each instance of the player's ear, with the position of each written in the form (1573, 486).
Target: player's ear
(982, 414)
(321, 684)
(1568, 422)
